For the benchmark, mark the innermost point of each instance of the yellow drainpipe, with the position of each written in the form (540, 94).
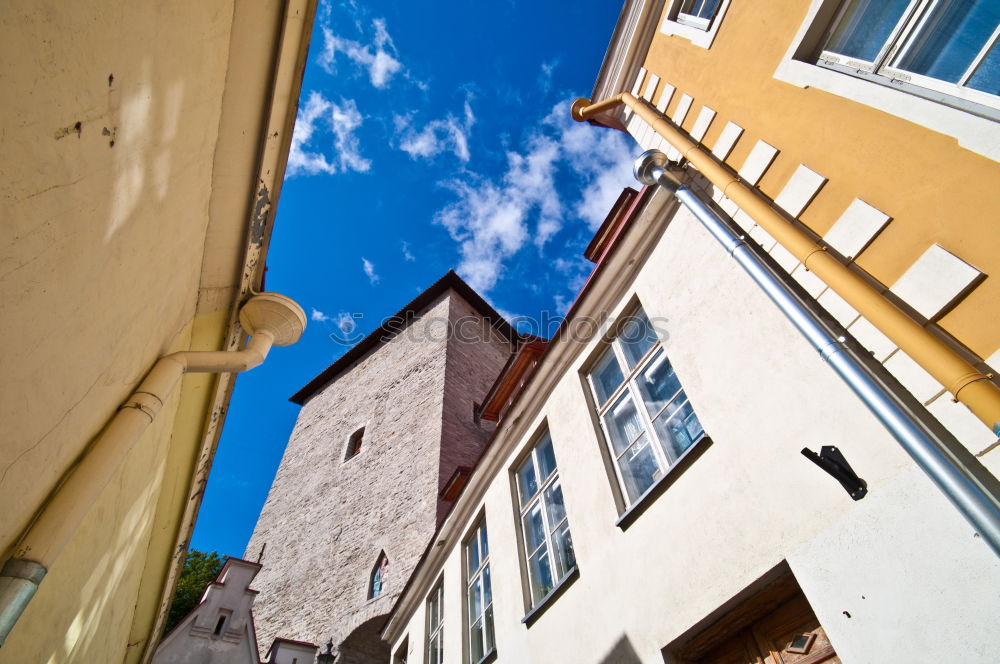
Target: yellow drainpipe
(962, 380)
(270, 319)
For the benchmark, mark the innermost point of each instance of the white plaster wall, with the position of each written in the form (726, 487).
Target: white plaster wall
(750, 501)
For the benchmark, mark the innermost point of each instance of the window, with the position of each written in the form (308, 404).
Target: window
(646, 417)
(402, 652)
(354, 444)
(948, 47)
(220, 624)
(435, 615)
(379, 576)
(480, 595)
(548, 546)
(697, 13)
(695, 20)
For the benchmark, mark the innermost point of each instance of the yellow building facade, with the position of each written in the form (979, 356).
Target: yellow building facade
(142, 154)
(901, 176)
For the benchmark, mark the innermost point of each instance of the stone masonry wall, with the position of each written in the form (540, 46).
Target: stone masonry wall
(326, 520)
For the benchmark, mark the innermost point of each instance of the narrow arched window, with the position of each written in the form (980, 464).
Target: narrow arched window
(377, 583)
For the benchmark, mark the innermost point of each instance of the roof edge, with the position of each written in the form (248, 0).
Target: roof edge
(398, 322)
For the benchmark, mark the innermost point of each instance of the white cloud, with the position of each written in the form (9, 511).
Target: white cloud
(378, 57)
(492, 220)
(342, 121)
(545, 75)
(369, 270)
(318, 315)
(448, 134)
(406, 252)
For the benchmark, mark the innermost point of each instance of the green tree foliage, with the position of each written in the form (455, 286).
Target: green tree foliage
(200, 569)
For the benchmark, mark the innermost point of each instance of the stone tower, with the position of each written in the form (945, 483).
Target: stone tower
(380, 434)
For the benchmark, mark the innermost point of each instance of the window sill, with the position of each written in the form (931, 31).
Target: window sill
(488, 658)
(538, 609)
(974, 133)
(697, 35)
(661, 485)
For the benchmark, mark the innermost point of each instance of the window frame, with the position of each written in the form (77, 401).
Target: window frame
(480, 576)
(402, 652)
(798, 67)
(629, 389)
(695, 20)
(520, 511)
(438, 632)
(377, 570)
(697, 30)
(901, 39)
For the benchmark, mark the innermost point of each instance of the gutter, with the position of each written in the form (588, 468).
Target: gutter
(976, 503)
(962, 380)
(274, 143)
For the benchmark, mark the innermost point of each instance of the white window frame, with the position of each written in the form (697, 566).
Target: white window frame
(435, 634)
(478, 577)
(699, 31)
(629, 388)
(799, 67)
(538, 497)
(913, 19)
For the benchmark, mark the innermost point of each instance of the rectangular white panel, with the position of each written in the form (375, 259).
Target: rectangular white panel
(683, 106)
(935, 281)
(651, 87)
(705, 117)
(838, 307)
(799, 190)
(727, 139)
(856, 228)
(638, 81)
(872, 338)
(665, 95)
(758, 161)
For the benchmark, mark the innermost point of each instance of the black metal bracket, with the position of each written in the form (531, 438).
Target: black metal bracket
(832, 461)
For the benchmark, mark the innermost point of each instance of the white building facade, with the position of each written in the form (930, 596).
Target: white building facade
(647, 501)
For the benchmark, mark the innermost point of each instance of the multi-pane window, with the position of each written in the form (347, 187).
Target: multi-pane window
(548, 545)
(480, 595)
(698, 13)
(435, 615)
(647, 419)
(944, 46)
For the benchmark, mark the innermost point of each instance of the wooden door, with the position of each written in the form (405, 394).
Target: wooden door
(788, 635)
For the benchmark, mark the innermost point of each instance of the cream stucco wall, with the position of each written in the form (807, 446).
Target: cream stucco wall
(132, 134)
(917, 582)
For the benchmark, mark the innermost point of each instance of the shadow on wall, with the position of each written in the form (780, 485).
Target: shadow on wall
(622, 653)
(365, 645)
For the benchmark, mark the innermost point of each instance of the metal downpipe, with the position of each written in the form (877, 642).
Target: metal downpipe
(966, 383)
(972, 499)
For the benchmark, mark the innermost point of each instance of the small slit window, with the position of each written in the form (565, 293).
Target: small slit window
(354, 444)
(379, 577)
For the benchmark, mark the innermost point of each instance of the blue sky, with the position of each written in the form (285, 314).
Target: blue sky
(430, 136)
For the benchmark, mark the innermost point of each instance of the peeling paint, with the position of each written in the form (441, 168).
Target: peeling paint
(260, 211)
(65, 131)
